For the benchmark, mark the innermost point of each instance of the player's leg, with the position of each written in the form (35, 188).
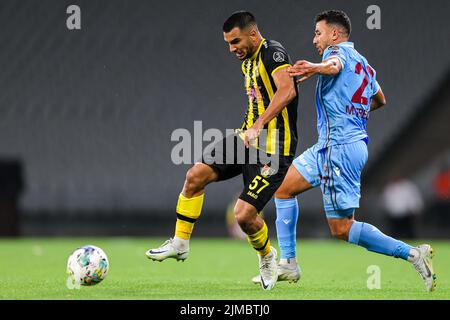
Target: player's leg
(302, 176)
(190, 200)
(342, 166)
(286, 222)
(253, 225)
(189, 206)
(258, 236)
(259, 187)
(368, 236)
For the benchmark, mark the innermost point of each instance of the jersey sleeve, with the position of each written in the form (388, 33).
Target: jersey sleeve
(275, 57)
(335, 52)
(375, 87)
(373, 75)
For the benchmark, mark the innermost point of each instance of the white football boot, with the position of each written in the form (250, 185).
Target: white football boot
(424, 266)
(172, 248)
(268, 269)
(286, 272)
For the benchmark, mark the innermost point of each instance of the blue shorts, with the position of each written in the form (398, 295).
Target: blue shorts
(337, 169)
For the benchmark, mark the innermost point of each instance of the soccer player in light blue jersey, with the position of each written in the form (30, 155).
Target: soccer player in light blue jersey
(347, 91)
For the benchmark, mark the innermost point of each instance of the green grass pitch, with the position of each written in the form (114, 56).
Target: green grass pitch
(216, 269)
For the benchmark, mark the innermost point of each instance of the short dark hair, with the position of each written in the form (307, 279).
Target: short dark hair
(337, 17)
(240, 19)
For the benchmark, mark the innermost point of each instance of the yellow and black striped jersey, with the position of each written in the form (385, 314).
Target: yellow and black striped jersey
(260, 88)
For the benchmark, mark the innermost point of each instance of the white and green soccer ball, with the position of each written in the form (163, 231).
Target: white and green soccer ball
(87, 266)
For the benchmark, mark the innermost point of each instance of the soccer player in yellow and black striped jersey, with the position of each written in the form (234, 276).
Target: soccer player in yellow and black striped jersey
(259, 70)
(272, 109)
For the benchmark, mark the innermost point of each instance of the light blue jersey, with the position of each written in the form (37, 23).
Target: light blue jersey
(336, 161)
(343, 101)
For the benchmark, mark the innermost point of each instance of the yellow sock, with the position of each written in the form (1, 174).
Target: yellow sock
(188, 211)
(260, 240)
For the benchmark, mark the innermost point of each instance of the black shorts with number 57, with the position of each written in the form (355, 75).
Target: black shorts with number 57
(229, 158)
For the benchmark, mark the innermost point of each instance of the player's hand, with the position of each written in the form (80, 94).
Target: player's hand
(251, 134)
(302, 68)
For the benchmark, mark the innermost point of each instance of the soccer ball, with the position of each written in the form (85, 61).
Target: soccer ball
(87, 266)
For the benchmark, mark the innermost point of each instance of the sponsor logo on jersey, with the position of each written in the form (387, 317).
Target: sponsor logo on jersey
(337, 171)
(357, 112)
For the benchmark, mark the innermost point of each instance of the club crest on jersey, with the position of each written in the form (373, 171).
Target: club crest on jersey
(267, 171)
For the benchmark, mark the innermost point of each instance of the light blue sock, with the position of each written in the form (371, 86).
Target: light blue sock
(286, 223)
(369, 237)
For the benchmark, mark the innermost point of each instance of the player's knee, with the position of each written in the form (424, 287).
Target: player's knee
(340, 231)
(244, 217)
(284, 193)
(338, 234)
(194, 180)
(241, 217)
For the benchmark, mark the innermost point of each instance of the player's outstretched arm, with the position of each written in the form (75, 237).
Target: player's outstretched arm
(283, 96)
(306, 69)
(378, 100)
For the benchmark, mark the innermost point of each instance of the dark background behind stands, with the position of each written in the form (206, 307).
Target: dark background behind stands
(89, 113)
